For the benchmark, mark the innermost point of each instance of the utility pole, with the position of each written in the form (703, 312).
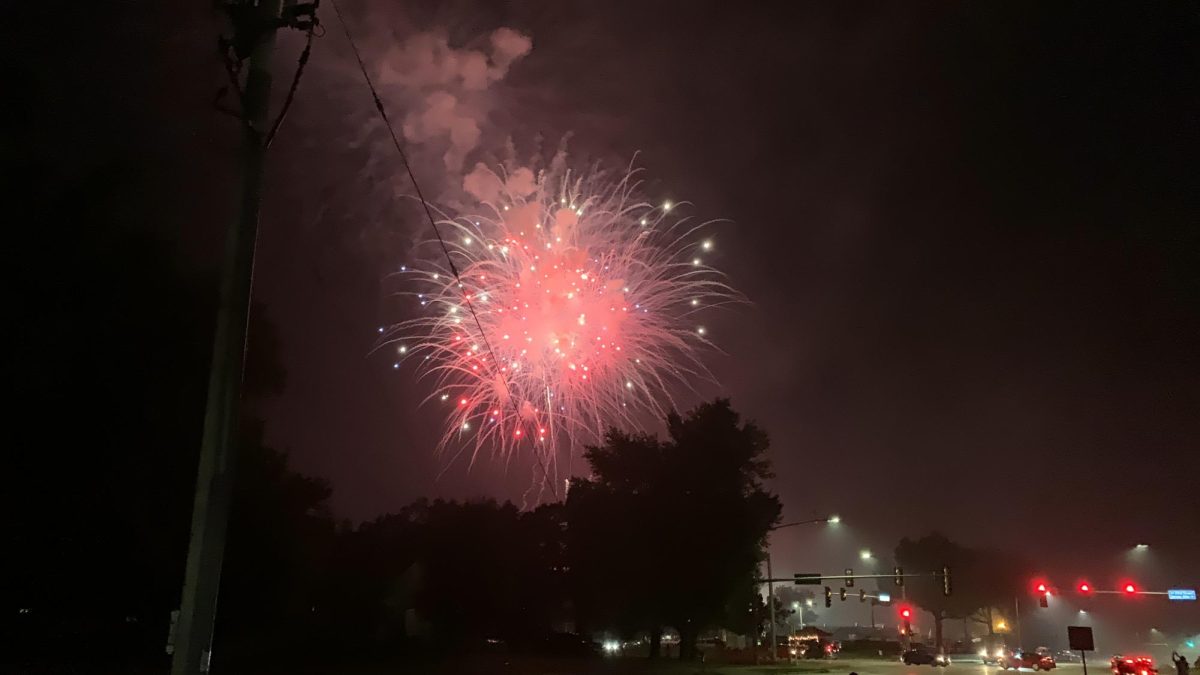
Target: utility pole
(214, 475)
(771, 577)
(1017, 617)
(771, 603)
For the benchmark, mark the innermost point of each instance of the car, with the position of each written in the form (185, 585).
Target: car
(1039, 659)
(1067, 656)
(830, 650)
(920, 655)
(991, 656)
(569, 644)
(1133, 665)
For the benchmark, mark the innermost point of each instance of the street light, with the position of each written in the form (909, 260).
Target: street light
(864, 554)
(832, 519)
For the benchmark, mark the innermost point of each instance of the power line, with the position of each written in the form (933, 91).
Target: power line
(362, 67)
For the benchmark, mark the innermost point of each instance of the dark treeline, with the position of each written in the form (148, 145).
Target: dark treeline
(114, 349)
(626, 554)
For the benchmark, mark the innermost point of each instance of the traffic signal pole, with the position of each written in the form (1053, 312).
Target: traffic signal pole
(214, 475)
(771, 580)
(1017, 617)
(771, 604)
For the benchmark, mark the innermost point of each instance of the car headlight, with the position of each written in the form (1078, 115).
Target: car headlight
(983, 652)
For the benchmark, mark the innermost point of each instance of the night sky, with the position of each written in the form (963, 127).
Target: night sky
(968, 232)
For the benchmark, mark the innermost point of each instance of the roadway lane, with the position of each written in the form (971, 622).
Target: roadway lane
(966, 666)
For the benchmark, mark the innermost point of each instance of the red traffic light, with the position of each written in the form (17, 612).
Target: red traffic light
(1085, 587)
(1129, 588)
(1041, 588)
(906, 612)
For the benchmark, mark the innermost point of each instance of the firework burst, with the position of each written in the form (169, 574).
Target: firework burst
(571, 305)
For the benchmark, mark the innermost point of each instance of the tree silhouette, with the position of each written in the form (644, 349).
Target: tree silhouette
(925, 555)
(669, 533)
(981, 579)
(280, 535)
(113, 341)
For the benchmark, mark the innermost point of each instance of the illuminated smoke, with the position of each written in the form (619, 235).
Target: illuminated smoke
(443, 87)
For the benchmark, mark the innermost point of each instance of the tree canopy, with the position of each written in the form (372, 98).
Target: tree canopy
(980, 578)
(660, 519)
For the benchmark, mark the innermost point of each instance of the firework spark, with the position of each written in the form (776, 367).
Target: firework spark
(575, 307)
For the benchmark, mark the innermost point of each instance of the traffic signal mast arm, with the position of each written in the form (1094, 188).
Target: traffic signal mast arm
(1123, 592)
(1086, 588)
(816, 579)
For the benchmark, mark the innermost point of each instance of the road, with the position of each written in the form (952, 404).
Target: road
(966, 666)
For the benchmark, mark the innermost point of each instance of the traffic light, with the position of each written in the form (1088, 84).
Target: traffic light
(1043, 593)
(946, 580)
(849, 578)
(842, 595)
(862, 595)
(1085, 588)
(828, 597)
(898, 575)
(905, 616)
(905, 612)
(1130, 588)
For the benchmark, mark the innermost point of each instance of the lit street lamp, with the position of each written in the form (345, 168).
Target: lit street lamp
(864, 554)
(833, 519)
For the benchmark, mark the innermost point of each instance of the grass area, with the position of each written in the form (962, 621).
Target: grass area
(761, 670)
(619, 666)
(667, 667)
(492, 666)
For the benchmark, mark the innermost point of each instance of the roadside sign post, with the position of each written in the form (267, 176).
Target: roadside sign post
(1080, 638)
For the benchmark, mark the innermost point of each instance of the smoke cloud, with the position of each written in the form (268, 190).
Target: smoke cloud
(445, 89)
(486, 186)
